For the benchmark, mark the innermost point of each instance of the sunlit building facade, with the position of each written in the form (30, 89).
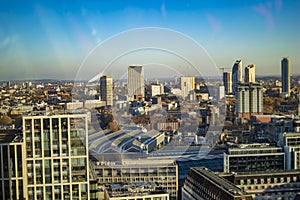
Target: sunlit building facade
(249, 100)
(136, 85)
(187, 85)
(250, 73)
(162, 172)
(56, 157)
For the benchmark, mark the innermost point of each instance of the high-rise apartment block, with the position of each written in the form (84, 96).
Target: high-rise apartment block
(285, 76)
(136, 85)
(56, 156)
(106, 89)
(187, 85)
(227, 80)
(249, 100)
(250, 73)
(237, 75)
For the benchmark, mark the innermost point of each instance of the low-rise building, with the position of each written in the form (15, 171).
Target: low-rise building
(163, 172)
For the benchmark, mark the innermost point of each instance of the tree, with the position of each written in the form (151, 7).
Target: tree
(113, 126)
(5, 120)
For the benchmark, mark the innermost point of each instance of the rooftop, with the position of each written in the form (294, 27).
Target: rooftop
(55, 112)
(134, 189)
(219, 181)
(8, 136)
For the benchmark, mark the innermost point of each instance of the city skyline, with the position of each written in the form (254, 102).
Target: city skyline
(50, 39)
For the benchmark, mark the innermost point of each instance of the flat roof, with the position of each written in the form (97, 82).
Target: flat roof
(226, 185)
(266, 173)
(7, 136)
(134, 189)
(54, 113)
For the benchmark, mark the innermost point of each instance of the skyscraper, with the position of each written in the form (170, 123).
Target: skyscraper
(250, 73)
(106, 90)
(285, 76)
(56, 156)
(227, 80)
(136, 85)
(187, 85)
(237, 75)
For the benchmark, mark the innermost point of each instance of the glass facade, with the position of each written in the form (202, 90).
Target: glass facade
(56, 156)
(11, 171)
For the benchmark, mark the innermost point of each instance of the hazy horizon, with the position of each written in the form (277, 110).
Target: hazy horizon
(45, 40)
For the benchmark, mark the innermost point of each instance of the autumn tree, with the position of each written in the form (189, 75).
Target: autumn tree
(5, 120)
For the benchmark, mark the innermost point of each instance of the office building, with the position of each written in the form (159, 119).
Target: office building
(106, 90)
(162, 172)
(237, 75)
(227, 81)
(203, 184)
(157, 89)
(285, 76)
(12, 170)
(56, 156)
(291, 145)
(250, 74)
(135, 191)
(267, 184)
(187, 86)
(249, 100)
(253, 158)
(136, 85)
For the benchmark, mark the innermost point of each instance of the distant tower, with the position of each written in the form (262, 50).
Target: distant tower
(249, 100)
(136, 85)
(187, 85)
(285, 76)
(227, 80)
(250, 73)
(237, 75)
(106, 90)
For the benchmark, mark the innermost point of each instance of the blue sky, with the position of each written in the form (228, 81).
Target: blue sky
(50, 39)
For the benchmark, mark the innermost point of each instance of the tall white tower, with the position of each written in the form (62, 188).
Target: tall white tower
(136, 85)
(187, 85)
